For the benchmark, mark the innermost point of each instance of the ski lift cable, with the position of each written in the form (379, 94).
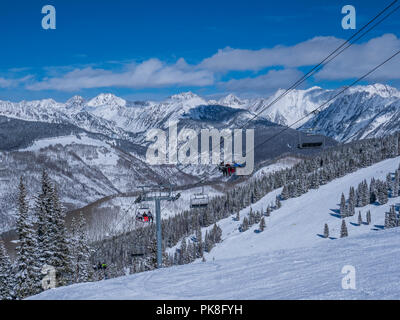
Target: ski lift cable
(349, 42)
(345, 45)
(332, 98)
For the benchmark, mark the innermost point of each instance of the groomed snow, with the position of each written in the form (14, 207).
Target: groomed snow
(284, 274)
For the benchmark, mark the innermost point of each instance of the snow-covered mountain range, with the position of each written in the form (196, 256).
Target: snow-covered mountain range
(362, 111)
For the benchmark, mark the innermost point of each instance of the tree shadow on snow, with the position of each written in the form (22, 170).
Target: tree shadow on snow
(379, 226)
(336, 213)
(322, 236)
(354, 224)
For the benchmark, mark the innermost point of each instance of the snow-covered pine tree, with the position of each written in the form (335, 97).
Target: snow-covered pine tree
(343, 229)
(28, 270)
(262, 224)
(389, 181)
(200, 249)
(209, 244)
(285, 193)
(387, 220)
(268, 211)
(343, 207)
(351, 203)
(251, 217)
(7, 278)
(368, 218)
(278, 203)
(326, 231)
(44, 222)
(216, 233)
(365, 193)
(80, 250)
(372, 192)
(396, 183)
(359, 218)
(61, 259)
(392, 217)
(245, 224)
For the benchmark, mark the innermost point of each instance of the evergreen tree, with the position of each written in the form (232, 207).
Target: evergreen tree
(343, 207)
(245, 224)
(326, 231)
(80, 250)
(343, 230)
(61, 259)
(262, 224)
(28, 271)
(359, 219)
(200, 248)
(368, 217)
(396, 183)
(7, 280)
(278, 203)
(285, 193)
(392, 217)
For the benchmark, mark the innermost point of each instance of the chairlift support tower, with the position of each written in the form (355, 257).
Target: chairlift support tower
(157, 194)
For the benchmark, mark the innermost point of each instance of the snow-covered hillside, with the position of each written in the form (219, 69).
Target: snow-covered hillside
(289, 260)
(283, 274)
(363, 112)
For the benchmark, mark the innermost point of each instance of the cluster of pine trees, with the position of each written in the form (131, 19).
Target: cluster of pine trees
(43, 240)
(254, 218)
(377, 192)
(188, 252)
(392, 218)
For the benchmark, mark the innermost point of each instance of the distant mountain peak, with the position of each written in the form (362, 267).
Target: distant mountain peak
(184, 96)
(75, 101)
(232, 101)
(382, 90)
(106, 99)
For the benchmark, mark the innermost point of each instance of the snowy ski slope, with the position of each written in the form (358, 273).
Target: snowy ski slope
(289, 260)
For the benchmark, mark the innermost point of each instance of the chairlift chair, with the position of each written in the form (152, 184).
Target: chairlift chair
(199, 200)
(142, 214)
(310, 140)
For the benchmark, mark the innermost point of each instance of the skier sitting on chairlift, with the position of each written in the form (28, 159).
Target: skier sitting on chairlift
(228, 169)
(150, 217)
(145, 217)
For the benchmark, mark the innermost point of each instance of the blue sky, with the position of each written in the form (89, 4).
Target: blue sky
(152, 49)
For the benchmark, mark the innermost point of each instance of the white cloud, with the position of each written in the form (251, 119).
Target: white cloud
(352, 63)
(154, 73)
(149, 74)
(12, 82)
(361, 58)
(266, 83)
(303, 54)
